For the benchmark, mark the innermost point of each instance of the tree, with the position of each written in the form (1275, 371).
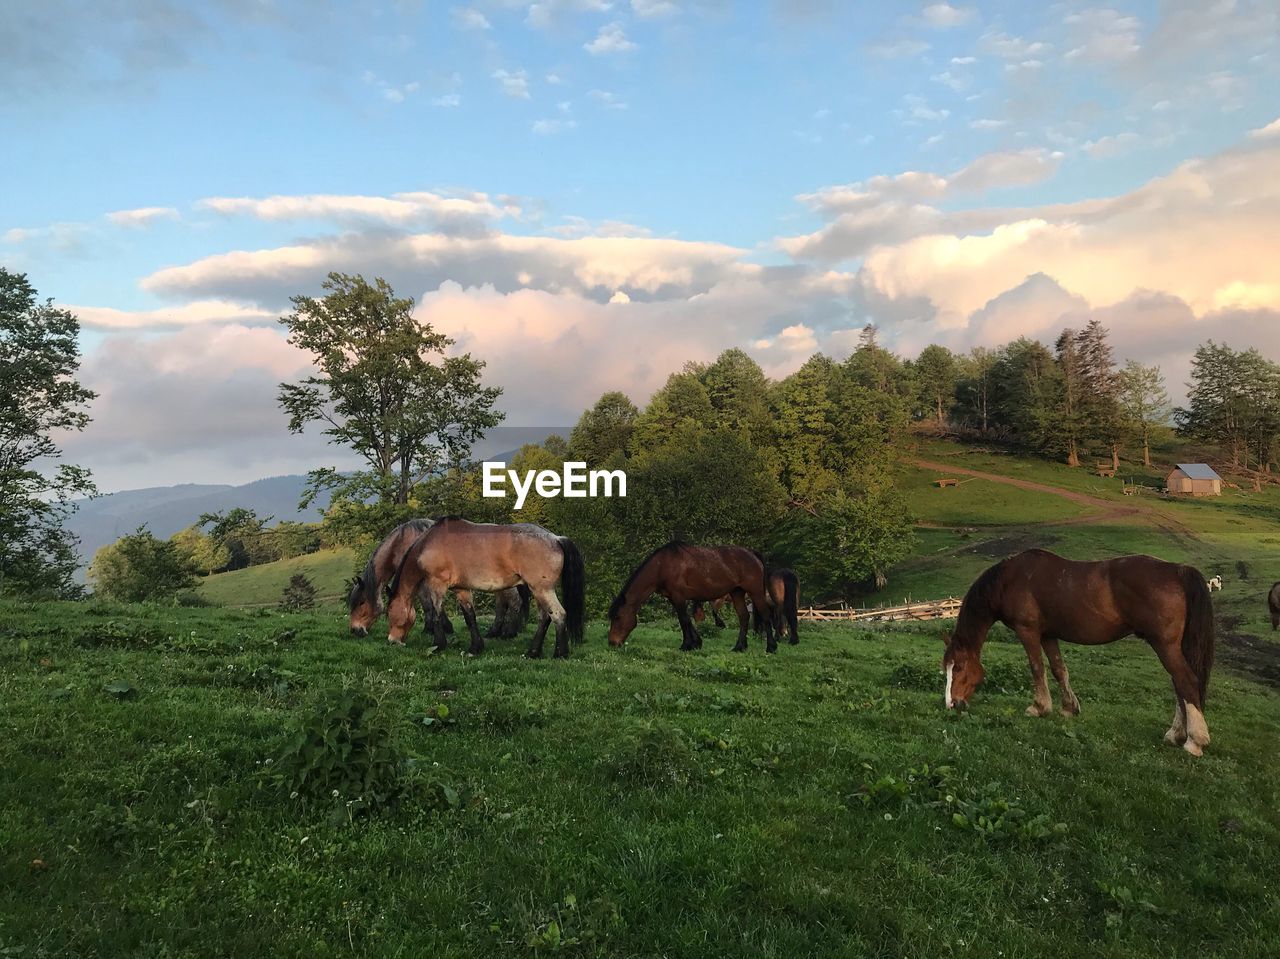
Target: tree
(682, 401)
(936, 375)
(39, 398)
(300, 594)
(1144, 403)
(739, 395)
(976, 383)
(1067, 424)
(1233, 399)
(140, 568)
(1104, 424)
(203, 554)
(604, 429)
(385, 389)
(242, 535)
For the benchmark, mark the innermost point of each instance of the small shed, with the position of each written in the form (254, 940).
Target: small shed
(1194, 479)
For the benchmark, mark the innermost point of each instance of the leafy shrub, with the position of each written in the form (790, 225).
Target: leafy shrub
(346, 753)
(985, 812)
(924, 679)
(655, 754)
(506, 710)
(300, 594)
(119, 634)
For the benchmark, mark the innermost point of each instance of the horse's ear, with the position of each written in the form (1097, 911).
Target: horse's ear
(946, 639)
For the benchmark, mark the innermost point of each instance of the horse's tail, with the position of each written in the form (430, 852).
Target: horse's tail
(525, 594)
(758, 615)
(791, 601)
(573, 583)
(1197, 633)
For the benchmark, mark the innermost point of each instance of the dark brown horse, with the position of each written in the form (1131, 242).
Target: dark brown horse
(685, 574)
(461, 556)
(783, 605)
(1045, 598)
(365, 602)
(1273, 604)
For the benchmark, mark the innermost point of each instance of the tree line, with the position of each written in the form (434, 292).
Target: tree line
(802, 468)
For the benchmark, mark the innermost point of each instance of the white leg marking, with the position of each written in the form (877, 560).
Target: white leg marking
(1197, 728)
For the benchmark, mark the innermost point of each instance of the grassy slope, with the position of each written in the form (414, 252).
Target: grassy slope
(155, 842)
(1214, 534)
(262, 585)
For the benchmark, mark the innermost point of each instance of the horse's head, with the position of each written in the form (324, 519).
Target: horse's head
(962, 665)
(363, 610)
(621, 622)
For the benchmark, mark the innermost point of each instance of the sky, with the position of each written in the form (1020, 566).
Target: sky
(586, 194)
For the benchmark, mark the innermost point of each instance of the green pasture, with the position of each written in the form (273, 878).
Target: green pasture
(329, 571)
(642, 802)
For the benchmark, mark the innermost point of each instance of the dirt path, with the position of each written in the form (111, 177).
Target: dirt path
(1104, 509)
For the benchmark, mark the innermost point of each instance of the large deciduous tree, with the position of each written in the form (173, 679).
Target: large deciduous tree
(1144, 403)
(384, 388)
(139, 568)
(39, 398)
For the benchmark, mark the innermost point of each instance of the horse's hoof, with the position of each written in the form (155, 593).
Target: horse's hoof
(394, 642)
(1174, 738)
(1193, 747)
(1070, 709)
(532, 655)
(1038, 711)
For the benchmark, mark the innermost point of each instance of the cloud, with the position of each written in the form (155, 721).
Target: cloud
(606, 99)
(898, 49)
(654, 8)
(549, 12)
(446, 100)
(610, 40)
(514, 84)
(200, 402)
(553, 126)
(1012, 48)
(892, 209)
(463, 213)
(589, 266)
(1103, 36)
(1109, 146)
(943, 16)
(1203, 234)
(196, 313)
(1271, 130)
(142, 216)
(469, 18)
(986, 123)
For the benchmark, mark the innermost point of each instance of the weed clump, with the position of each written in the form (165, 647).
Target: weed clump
(656, 755)
(347, 754)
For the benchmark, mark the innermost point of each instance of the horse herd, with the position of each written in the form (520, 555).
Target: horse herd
(1042, 597)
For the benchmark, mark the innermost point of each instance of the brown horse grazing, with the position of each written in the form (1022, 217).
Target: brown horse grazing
(365, 600)
(684, 574)
(461, 556)
(1273, 603)
(784, 607)
(1045, 598)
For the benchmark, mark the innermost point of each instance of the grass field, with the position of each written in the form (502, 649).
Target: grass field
(641, 802)
(648, 802)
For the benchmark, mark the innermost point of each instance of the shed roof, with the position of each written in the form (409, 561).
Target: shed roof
(1199, 471)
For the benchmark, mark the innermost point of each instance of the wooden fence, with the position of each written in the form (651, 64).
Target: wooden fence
(930, 609)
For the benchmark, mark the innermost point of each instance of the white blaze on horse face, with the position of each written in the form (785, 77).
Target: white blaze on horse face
(951, 668)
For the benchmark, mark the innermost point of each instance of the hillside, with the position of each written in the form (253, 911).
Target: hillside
(167, 509)
(328, 570)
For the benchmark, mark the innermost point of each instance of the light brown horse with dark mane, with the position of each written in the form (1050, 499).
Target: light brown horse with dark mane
(685, 574)
(365, 599)
(461, 556)
(1045, 598)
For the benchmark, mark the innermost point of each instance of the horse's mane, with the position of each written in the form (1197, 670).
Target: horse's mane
(369, 578)
(980, 596)
(615, 607)
(412, 551)
(452, 517)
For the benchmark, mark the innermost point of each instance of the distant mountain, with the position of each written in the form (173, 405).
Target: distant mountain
(166, 509)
